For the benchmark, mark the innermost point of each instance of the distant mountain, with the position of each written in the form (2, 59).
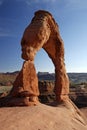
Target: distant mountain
(46, 76)
(77, 77)
(12, 73)
(74, 77)
(9, 77)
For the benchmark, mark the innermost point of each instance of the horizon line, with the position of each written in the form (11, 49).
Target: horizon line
(41, 72)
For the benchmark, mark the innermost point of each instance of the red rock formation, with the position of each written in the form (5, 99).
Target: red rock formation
(26, 83)
(42, 32)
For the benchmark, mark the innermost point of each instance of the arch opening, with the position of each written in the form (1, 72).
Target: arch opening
(46, 76)
(43, 62)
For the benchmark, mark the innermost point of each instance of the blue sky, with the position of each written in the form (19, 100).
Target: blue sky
(71, 16)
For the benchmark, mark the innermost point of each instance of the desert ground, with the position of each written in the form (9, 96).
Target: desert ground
(42, 117)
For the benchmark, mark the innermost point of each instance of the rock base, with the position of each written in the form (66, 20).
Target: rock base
(18, 101)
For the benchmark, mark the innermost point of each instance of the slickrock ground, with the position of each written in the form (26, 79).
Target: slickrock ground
(42, 117)
(84, 110)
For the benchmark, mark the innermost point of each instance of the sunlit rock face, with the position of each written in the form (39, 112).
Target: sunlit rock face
(35, 35)
(26, 83)
(42, 32)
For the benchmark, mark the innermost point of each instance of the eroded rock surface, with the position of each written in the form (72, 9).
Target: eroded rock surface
(26, 83)
(41, 117)
(42, 32)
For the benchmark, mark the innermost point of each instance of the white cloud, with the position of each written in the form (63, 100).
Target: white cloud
(38, 1)
(29, 2)
(76, 4)
(1, 2)
(6, 33)
(48, 0)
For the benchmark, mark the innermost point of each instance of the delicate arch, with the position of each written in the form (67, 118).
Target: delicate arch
(42, 32)
(45, 33)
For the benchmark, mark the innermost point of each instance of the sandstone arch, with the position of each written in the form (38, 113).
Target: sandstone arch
(42, 32)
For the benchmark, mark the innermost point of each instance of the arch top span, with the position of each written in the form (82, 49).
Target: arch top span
(42, 12)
